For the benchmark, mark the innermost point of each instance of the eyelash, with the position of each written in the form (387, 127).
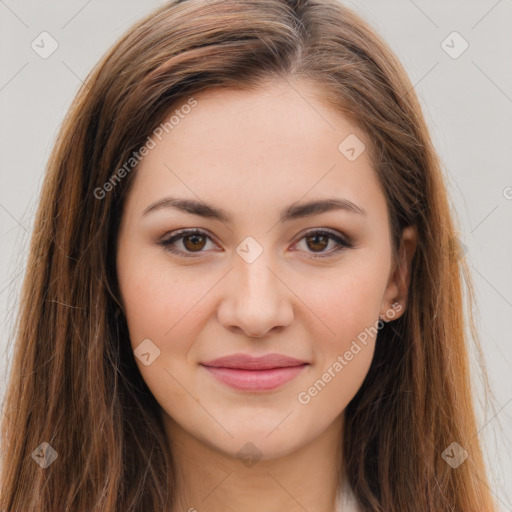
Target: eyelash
(167, 243)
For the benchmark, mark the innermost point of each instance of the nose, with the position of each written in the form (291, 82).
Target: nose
(256, 298)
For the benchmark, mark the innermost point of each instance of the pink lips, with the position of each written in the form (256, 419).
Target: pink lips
(247, 373)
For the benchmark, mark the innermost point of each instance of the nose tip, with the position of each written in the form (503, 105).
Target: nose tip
(256, 301)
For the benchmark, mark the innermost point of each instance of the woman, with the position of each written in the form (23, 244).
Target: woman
(244, 289)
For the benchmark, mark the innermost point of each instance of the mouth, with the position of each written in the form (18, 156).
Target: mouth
(246, 373)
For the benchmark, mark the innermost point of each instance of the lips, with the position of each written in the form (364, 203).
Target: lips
(247, 362)
(248, 373)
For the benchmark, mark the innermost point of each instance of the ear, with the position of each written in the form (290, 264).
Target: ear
(395, 296)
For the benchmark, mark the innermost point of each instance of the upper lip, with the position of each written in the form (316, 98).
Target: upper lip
(248, 362)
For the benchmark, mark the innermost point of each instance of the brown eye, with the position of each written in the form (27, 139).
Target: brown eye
(194, 242)
(317, 242)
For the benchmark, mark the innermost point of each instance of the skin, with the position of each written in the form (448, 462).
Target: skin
(253, 154)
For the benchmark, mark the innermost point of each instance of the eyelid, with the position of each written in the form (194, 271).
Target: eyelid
(342, 241)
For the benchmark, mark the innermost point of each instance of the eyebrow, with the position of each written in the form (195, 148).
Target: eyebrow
(294, 211)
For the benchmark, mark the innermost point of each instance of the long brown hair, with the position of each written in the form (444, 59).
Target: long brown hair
(74, 383)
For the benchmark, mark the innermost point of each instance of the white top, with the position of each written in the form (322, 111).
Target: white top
(346, 501)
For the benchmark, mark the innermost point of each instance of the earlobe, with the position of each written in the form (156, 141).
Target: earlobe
(392, 313)
(395, 297)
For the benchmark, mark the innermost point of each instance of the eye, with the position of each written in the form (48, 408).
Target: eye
(193, 241)
(318, 240)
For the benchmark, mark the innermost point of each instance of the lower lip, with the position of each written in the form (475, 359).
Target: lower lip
(255, 380)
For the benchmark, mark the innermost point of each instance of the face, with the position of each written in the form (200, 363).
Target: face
(293, 293)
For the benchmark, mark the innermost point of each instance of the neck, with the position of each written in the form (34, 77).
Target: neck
(207, 479)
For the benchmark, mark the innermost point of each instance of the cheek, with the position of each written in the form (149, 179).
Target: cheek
(163, 307)
(159, 304)
(348, 305)
(345, 301)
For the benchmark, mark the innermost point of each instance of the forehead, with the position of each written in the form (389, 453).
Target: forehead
(238, 147)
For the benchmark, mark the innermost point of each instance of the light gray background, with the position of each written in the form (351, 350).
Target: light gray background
(467, 102)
